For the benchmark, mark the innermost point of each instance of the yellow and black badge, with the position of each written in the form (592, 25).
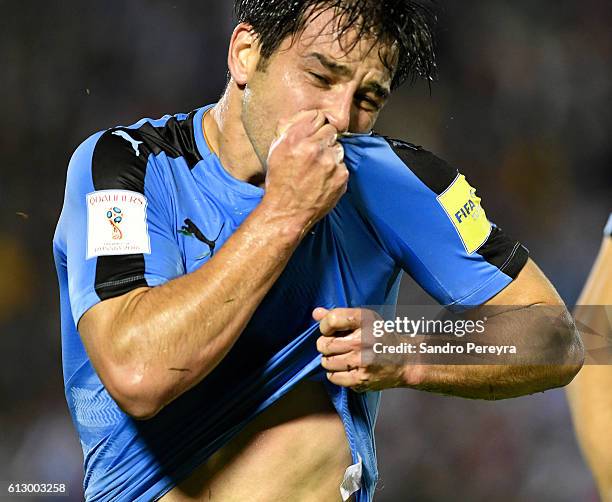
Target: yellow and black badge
(463, 207)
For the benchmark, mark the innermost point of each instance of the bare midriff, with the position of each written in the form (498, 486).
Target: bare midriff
(294, 451)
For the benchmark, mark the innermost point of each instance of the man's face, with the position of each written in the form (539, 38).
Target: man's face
(316, 72)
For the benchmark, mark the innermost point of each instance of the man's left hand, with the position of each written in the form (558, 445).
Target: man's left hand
(341, 346)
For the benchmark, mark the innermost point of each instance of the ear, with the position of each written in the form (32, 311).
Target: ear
(243, 54)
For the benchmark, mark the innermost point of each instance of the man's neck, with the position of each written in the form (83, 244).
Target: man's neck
(228, 139)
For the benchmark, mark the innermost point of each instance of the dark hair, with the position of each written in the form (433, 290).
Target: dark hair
(409, 24)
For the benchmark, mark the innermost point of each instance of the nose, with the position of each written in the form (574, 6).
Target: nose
(339, 109)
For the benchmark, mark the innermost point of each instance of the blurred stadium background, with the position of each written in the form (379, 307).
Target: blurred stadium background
(522, 108)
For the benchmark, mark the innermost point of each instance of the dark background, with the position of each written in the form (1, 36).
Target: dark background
(522, 107)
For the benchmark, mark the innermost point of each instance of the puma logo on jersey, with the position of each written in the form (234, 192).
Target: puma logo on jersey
(191, 229)
(135, 144)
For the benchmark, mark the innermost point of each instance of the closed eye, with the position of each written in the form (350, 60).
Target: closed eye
(370, 104)
(320, 78)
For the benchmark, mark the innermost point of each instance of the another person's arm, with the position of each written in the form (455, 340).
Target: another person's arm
(590, 394)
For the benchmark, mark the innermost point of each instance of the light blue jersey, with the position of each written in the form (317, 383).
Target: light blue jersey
(148, 203)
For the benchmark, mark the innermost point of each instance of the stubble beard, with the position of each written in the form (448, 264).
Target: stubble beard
(252, 128)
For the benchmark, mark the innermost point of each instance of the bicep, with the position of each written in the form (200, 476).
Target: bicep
(530, 287)
(99, 325)
(102, 329)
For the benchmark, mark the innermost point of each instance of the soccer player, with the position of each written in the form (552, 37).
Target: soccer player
(207, 261)
(590, 395)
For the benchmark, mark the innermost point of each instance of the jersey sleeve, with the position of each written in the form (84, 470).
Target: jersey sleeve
(431, 222)
(116, 221)
(608, 227)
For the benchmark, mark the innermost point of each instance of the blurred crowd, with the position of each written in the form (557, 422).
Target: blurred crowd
(520, 108)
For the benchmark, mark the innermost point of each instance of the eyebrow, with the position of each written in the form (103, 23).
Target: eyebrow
(331, 65)
(344, 71)
(381, 91)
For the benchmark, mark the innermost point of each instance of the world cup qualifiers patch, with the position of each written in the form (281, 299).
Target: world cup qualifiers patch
(117, 223)
(463, 207)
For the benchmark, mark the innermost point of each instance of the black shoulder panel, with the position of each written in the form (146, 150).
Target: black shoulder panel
(505, 253)
(121, 155)
(119, 161)
(176, 139)
(431, 170)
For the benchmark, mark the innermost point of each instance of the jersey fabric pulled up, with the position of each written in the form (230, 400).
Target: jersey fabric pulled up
(147, 203)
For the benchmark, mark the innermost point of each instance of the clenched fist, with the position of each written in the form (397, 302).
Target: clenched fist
(306, 174)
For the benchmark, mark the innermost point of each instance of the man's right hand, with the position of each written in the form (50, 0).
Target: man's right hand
(306, 175)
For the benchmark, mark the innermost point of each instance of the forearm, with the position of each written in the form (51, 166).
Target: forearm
(490, 382)
(168, 338)
(548, 355)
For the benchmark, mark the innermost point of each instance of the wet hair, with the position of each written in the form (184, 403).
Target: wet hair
(408, 25)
